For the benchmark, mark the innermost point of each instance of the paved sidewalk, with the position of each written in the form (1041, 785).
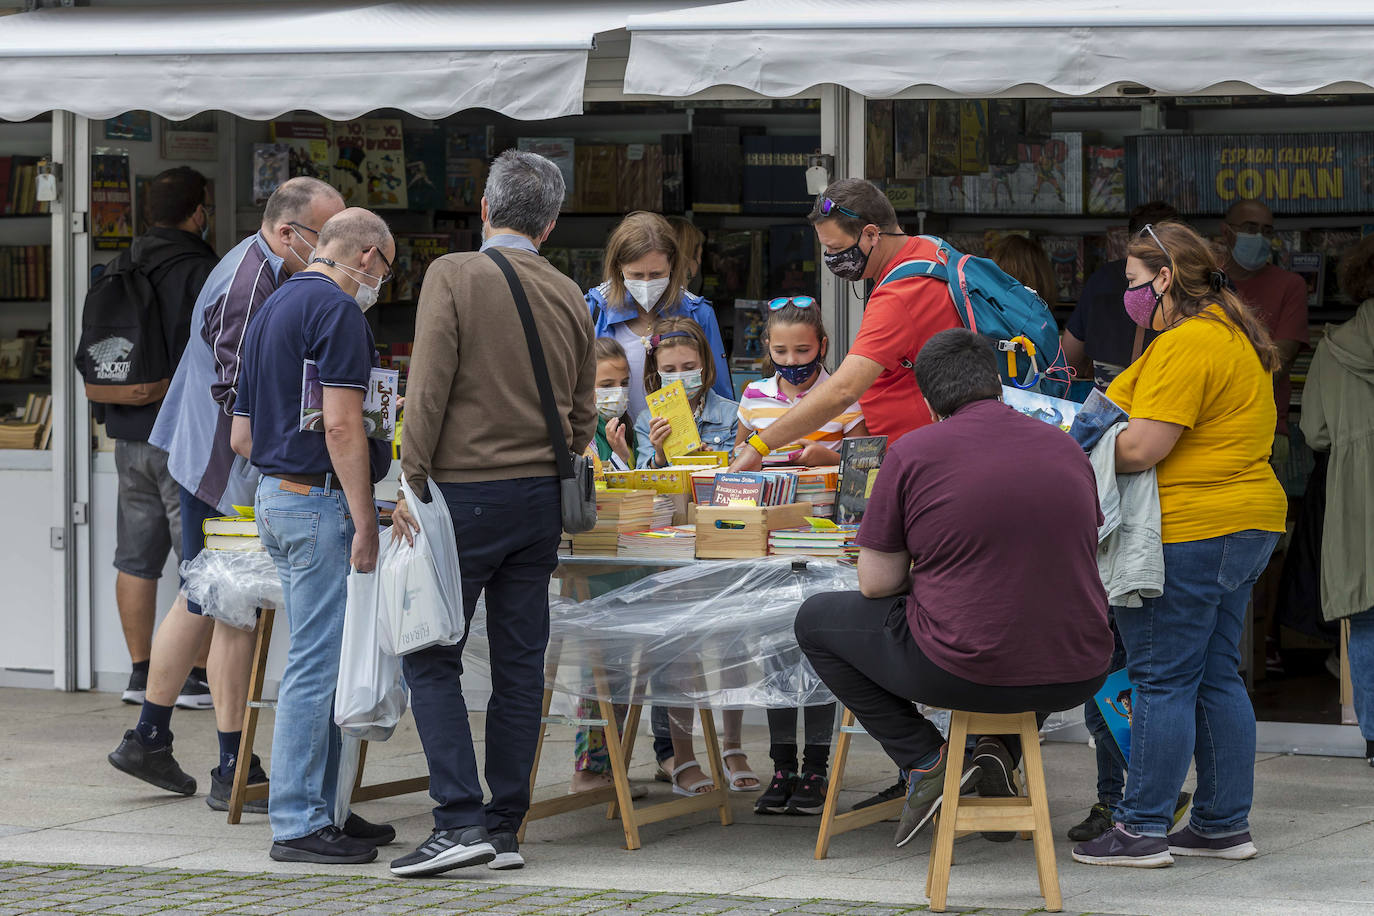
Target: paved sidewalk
(62, 804)
(139, 891)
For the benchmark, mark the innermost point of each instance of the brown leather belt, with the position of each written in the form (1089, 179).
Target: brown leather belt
(305, 480)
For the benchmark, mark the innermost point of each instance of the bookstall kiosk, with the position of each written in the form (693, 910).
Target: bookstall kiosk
(1169, 91)
(537, 69)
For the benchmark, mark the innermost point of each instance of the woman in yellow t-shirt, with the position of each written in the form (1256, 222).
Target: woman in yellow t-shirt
(1201, 403)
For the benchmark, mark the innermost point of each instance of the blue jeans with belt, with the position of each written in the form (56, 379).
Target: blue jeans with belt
(1183, 656)
(508, 533)
(310, 538)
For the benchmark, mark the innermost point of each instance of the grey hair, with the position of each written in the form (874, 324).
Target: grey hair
(293, 198)
(524, 192)
(351, 230)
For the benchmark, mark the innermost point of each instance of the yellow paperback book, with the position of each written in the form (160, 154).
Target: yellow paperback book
(670, 402)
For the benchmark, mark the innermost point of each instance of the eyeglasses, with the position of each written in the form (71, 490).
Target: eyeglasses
(1254, 228)
(1150, 229)
(782, 302)
(828, 205)
(389, 273)
(314, 232)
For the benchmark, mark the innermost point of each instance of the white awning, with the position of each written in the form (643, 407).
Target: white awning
(522, 58)
(986, 47)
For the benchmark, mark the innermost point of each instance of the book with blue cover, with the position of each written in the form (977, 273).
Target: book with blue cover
(1114, 702)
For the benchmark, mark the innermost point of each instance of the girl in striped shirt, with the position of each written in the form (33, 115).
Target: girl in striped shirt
(795, 345)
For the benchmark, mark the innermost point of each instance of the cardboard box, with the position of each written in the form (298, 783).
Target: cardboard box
(750, 539)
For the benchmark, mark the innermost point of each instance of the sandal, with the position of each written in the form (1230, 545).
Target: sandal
(737, 775)
(692, 790)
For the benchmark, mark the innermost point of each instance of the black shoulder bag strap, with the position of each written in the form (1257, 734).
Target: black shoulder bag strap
(561, 455)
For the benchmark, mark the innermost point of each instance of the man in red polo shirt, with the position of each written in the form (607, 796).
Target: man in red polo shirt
(862, 240)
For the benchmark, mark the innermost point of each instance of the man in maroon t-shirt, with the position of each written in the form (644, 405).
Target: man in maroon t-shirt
(978, 579)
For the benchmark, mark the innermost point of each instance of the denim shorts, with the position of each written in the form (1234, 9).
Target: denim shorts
(148, 512)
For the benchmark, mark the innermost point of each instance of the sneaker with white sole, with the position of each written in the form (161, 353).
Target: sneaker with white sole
(507, 852)
(1120, 846)
(137, 689)
(195, 693)
(1187, 842)
(459, 847)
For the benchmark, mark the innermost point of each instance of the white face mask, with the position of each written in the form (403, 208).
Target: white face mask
(366, 296)
(612, 402)
(647, 292)
(308, 259)
(691, 380)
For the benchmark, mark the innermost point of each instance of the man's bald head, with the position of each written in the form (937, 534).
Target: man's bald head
(353, 231)
(295, 212)
(1250, 211)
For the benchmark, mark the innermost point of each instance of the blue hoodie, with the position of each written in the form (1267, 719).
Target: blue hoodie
(688, 305)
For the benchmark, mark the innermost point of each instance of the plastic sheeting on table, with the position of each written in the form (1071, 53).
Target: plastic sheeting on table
(229, 585)
(716, 633)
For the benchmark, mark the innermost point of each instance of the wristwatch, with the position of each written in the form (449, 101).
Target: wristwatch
(758, 444)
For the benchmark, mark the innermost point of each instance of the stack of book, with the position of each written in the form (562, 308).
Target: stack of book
(664, 507)
(676, 542)
(34, 426)
(232, 532)
(617, 512)
(755, 488)
(817, 486)
(812, 540)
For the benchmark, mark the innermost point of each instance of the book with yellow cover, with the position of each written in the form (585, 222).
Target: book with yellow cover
(231, 526)
(670, 402)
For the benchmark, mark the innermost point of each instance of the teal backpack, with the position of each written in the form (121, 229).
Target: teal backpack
(993, 303)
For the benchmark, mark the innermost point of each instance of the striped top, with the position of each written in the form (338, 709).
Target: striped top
(764, 401)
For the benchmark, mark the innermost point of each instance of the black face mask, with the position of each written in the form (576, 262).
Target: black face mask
(850, 263)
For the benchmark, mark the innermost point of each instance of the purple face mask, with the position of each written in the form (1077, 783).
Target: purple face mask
(1141, 302)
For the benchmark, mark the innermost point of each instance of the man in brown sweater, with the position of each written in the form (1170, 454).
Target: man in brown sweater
(474, 426)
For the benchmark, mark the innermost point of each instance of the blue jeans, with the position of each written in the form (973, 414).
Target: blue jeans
(508, 533)
(309, 537)
(1111, 763)
(1362, 669)
(1183, 656)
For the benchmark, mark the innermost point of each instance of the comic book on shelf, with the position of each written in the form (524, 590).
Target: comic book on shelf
(1311, 266)
(385, 164)
(1048, 178)
(350, 162)
(415, 251)
(112, 202)
(911, 139)
(1067, 258)
(426, 160)
(1106, 180)
(308, 147)
(946, 121)
(878, 143)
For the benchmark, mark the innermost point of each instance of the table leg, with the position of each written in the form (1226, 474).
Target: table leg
(256, 680)
(718, 774)
(832, 795)
(615, 750)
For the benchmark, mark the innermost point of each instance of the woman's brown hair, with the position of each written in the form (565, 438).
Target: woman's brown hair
(791, 314)
(1198, 282)
(639, 234)
(609, 348)
(696, 337)
(691, 241)
(1026, 261)
(1357, 271)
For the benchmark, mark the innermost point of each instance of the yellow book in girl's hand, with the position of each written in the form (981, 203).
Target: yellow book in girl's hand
(671, 403)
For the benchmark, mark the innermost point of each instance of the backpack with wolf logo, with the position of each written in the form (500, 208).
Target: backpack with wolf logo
(123, 350)
(993, 303)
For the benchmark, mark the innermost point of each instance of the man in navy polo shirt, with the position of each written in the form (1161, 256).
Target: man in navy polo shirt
(315, 512)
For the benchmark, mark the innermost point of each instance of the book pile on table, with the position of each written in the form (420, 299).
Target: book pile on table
(674, 542)
(232, 532)
(664, 508)
(812, 541)
(817, 486)
(617, 512)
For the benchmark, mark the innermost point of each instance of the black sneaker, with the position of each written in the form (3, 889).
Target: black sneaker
(1188, 843)
(1181, 807)
(195, 694)
(1098, 822)
(996, 778)
(376, 834)
(327, 846)
(135, 693)
(155, 766)
(774, 798)
(1119, 846)
(508, 856)
(809, 796)
(444, 850)
(222, 786)
(925, 792)
(896, 790)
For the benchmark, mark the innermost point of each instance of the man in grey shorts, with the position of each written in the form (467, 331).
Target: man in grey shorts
(174, 256)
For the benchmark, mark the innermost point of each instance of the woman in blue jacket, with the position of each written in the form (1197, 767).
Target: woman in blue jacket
(646, 279)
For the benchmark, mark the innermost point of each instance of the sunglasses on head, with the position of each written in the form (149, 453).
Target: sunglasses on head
(1150, 230)
(801, 302)
(828, 206)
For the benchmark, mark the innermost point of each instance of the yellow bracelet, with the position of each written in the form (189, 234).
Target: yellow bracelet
(757, 442)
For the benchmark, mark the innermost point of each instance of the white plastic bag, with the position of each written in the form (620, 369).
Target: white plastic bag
(420, 586)
(370, 696)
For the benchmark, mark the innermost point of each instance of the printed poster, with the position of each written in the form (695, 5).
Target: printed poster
(112, 202)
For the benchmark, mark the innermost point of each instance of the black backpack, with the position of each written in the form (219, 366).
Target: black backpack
(123, 350)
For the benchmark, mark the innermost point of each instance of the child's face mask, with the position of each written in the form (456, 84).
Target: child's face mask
(691, 380)
(612, 402)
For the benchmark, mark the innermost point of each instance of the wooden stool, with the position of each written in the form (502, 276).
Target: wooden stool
(832, 824)
(1030, 813)
(242, 792)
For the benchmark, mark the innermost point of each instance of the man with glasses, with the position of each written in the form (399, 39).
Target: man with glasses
(1278, 296)
(315, 512)
(193, 428)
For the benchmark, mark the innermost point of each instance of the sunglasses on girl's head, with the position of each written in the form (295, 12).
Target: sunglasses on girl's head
(828, 205)
(801, 302)
(1150, 229)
